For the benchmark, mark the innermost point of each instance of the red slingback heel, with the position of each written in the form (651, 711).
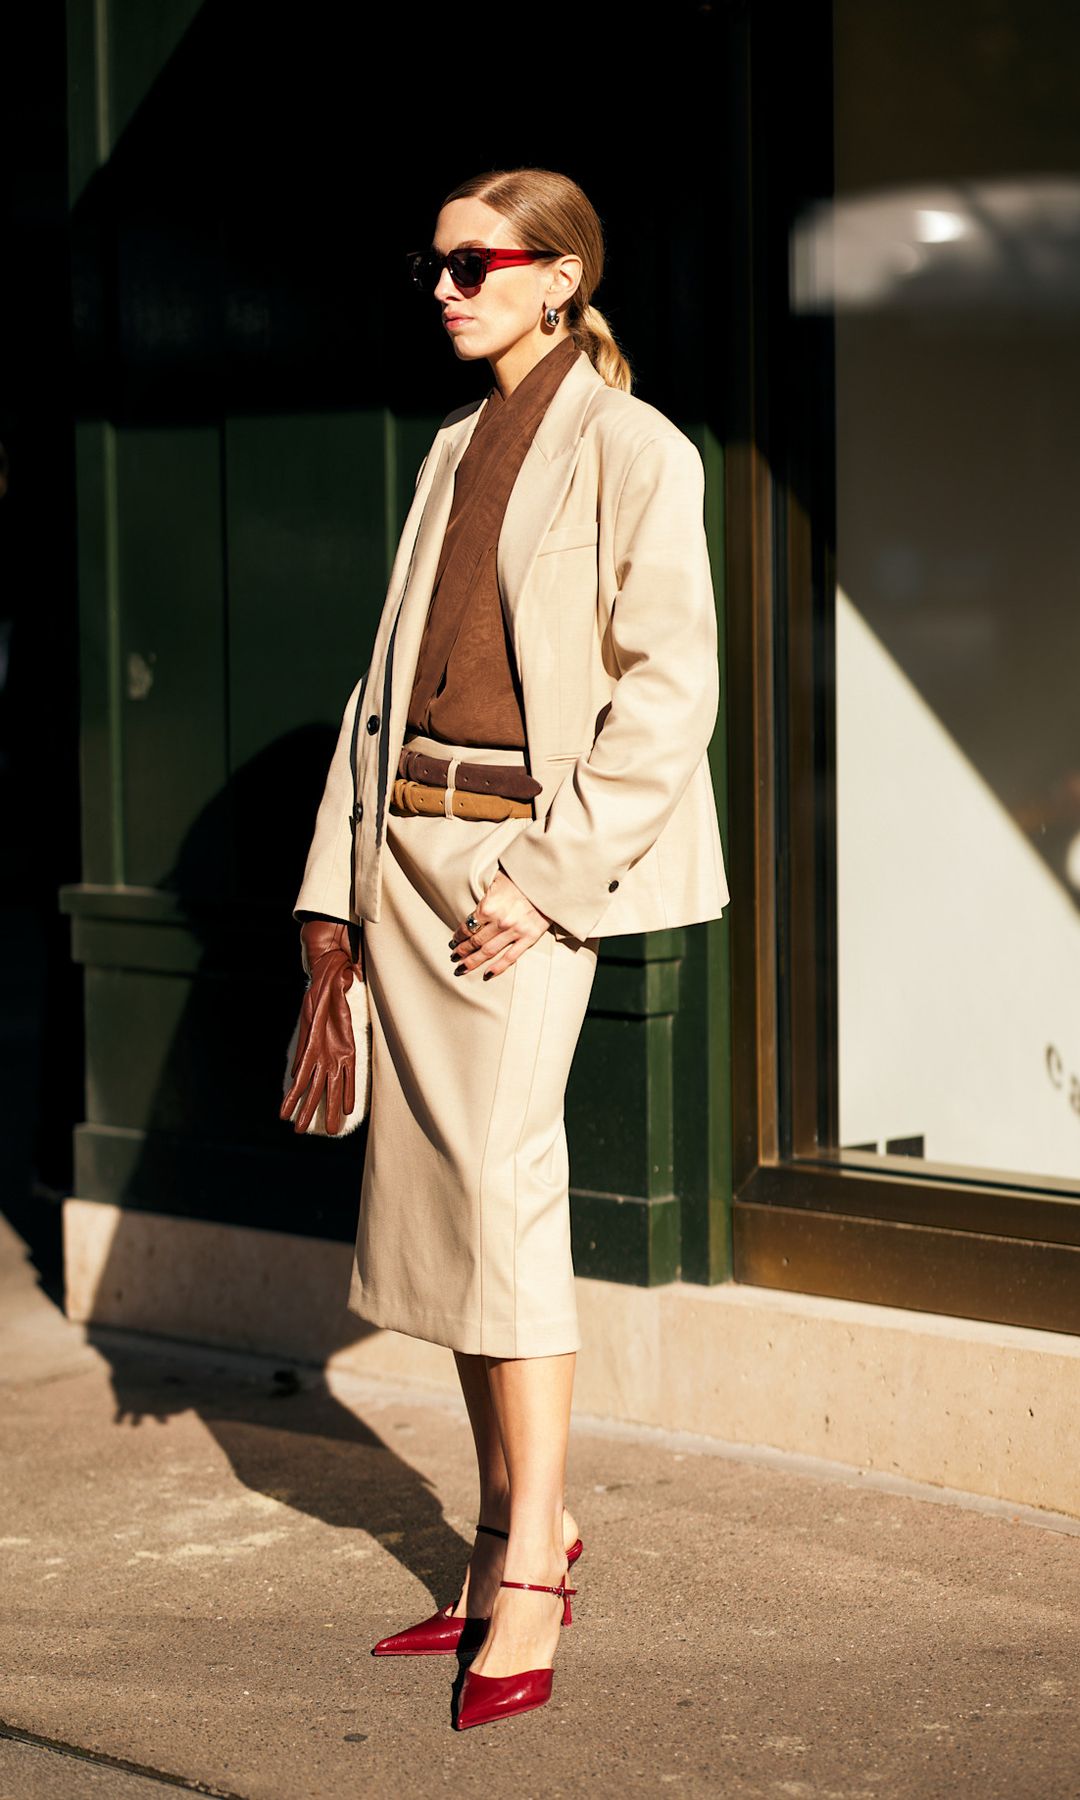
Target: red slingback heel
(444, 1635)
(488, 1697)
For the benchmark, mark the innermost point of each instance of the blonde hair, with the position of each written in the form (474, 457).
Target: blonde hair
(551, 212)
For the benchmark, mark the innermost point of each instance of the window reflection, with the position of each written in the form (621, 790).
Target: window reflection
(950, 259)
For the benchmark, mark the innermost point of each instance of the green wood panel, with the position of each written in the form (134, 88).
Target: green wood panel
(315, 506)
(307, 567)
(172, 613)
(708, 1235)
(606, 1106)
(619, 1119)
(622, 1238)
(99, 661)
(702, 1035)
(203, 1054)
(412, 437)
(137, 42)
(84, 100)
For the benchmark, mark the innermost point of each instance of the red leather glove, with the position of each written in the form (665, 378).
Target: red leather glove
(325, 1051)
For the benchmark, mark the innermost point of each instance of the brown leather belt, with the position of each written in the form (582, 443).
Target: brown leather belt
(425, 797)
(511, 779)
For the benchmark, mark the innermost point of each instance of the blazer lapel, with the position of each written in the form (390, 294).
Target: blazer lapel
(412, 612)
(541, 485)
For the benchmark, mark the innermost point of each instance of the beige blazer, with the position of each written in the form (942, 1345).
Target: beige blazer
(604, 574)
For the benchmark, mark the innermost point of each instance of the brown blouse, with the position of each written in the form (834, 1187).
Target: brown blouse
(466, 689)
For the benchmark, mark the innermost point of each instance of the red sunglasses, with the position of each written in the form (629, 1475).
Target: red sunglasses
(469, 267)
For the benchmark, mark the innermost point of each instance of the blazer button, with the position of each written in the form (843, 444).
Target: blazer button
(373, 722)
(358, 811)
(611, 886)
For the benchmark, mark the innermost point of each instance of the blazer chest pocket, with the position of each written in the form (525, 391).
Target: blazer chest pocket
(570, 537)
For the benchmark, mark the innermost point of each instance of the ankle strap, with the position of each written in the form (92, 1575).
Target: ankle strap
(562, 1590)
(494, 1530)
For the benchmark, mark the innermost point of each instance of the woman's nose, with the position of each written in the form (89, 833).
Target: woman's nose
(445, 289)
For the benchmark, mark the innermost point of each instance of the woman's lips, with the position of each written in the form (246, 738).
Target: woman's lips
(452, 319)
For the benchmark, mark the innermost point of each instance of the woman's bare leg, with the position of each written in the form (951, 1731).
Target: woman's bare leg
(486, 1564)
(531, 1402)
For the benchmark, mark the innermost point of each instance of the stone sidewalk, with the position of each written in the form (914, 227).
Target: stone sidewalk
(197, 1550)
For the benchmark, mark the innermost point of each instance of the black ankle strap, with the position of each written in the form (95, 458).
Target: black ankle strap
(494, 1530)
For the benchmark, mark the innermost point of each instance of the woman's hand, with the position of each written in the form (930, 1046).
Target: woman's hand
(507, 925)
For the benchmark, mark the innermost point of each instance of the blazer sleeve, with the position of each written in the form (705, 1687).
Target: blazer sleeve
(327, 883)
(613, 804)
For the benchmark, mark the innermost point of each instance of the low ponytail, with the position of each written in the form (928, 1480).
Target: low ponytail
(594, 335)
(550, 212)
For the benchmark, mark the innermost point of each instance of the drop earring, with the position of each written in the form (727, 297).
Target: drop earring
(551, 315)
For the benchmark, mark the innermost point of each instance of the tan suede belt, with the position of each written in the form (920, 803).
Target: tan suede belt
(478, 790)
(424, 797)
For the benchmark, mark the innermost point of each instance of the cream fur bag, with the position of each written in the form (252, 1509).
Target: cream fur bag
(359, 1013)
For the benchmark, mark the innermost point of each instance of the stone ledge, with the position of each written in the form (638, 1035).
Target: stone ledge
(961, 1403)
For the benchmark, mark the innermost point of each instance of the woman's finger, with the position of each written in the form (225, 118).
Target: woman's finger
(508, 957)
(489, 946)
(500, 951)
(462, 933)
(470, 940)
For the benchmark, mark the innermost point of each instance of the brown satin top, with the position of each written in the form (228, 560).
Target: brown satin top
(466, 689)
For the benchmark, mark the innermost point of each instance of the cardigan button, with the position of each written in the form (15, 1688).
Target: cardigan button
(373, 722)
(611, 886)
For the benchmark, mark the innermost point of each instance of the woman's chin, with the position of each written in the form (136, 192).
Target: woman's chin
(466, 352)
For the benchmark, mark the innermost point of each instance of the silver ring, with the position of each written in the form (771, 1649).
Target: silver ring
(472, 921)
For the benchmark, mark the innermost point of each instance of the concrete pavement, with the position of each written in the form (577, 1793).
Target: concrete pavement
(197, 1550)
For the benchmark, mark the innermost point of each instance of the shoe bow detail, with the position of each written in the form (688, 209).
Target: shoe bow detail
(540, 1587)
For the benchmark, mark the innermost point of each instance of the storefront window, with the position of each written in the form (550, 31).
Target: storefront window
(949, 262)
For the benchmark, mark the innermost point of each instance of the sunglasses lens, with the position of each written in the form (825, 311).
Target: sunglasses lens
(466, 268)
(425, 268)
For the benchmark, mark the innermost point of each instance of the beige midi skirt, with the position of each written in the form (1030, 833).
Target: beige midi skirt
(464, 1229)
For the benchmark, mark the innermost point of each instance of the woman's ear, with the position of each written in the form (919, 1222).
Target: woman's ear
(564, 279)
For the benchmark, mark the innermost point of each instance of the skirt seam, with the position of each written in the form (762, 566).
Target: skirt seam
(524, 1121)
(481, 1189)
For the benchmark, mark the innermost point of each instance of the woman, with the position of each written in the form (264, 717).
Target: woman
(521, 770)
